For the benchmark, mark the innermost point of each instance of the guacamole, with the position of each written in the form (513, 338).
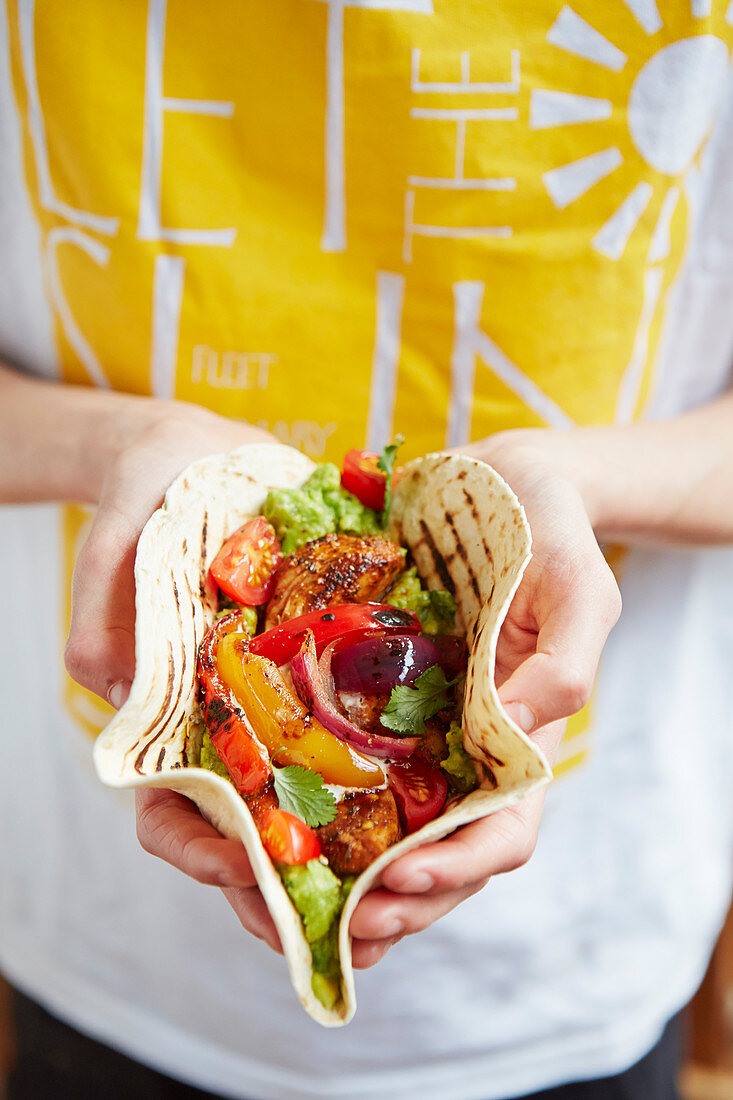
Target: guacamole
(326, 978)
(319, 896)
(435, 608)
(321, 507)
(248, 615)
(211, 760)
(315, 891)
(458, 764)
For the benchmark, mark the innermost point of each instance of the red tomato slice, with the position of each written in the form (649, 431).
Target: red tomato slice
(245, 566)
(419, 789)
(287, 839)
(362, 477)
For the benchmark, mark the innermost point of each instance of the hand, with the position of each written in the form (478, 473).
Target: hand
(547, 657)
(146, 446)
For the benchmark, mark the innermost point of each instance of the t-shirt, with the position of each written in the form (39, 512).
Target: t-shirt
(341, 219)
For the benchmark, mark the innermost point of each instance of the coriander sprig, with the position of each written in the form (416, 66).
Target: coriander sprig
(409, 707)
(385, 462)
(303, 793)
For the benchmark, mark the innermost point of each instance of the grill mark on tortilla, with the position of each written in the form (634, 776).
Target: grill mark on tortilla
(491, 781)
(202, 557)
(161, 758)
(438, 561)
(160, 716)
(468, 497)
(474, 512)
(167, 708)
(162, 711)
(463, 555)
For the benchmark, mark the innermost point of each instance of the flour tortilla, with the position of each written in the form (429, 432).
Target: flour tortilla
(466, 531)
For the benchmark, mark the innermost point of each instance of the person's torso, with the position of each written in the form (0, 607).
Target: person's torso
(343, 220)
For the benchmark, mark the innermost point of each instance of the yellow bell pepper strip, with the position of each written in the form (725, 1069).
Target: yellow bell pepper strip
(283, 724)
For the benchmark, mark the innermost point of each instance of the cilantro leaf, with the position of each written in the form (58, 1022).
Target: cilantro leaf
(302, 792)
(386, 463)
(409, 707)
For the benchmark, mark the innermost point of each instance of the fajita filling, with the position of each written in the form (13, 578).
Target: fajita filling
(332, 689)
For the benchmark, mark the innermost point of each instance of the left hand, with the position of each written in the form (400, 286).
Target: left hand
(546, 663)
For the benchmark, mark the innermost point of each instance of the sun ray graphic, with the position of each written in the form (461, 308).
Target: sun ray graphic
(661, 243)
(573, 34)
(611, 239)
(570, 181)
(646, 14)
(666, 131)
(548, 108)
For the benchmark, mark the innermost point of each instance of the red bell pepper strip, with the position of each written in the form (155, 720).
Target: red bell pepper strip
(348, 621)
(230, 733)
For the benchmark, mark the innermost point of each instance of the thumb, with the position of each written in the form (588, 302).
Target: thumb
(100, 651)
(557, 680)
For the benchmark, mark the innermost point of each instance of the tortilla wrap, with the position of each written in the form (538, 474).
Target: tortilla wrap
(466, 532)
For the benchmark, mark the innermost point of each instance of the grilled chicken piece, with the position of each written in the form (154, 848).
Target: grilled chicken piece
(366, 824)
(260, 804)
(365, 709)
(331, 570)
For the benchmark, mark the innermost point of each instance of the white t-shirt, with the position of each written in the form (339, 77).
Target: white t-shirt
(569, 967)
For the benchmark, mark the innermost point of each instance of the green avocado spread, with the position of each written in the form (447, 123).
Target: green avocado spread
(210, 758)
(458, 764)
(435, 608)
(248, 615)
(321, 507)
(319, 896)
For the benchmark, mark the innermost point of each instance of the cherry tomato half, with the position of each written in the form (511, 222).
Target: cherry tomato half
(362, 477)
(419, 789)
(287, 839)
(245, 566)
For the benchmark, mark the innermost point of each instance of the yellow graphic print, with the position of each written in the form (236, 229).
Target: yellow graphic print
(343, 218)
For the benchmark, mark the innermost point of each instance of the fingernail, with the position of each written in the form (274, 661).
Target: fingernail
(118, 693)
(419, 883)
(522, 715)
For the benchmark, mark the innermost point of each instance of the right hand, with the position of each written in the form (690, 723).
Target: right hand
(149, 444)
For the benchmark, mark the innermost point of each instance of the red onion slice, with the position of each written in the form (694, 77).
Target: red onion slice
(378, 664)
(314, 685)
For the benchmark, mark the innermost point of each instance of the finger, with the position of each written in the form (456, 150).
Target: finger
(557, 680)
(254, 916)
(366, 953)
(383, 915)
(471, 855)
(100, 651)
(170, 827)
